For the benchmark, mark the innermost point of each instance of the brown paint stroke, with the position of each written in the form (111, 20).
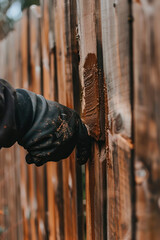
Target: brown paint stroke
(138, 1)
(91, 113)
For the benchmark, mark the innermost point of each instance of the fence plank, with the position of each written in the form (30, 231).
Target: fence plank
(35, 85)
(54, 170)
(70, 50)
(38, 175)
(24, 84)
(147, 115)
(65, 93)
(115, 38)
(77, 106)
(91, 72)
(48, 91)
(9, 168)
(10, 185)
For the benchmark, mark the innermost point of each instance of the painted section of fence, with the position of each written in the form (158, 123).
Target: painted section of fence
(101, 58)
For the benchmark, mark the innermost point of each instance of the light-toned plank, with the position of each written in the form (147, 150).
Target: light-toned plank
(147, 114)
(92, 80)
(115, 44)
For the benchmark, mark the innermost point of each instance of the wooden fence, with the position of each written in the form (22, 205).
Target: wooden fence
(100, 57)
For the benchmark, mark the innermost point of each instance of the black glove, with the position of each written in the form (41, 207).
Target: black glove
(48, 130)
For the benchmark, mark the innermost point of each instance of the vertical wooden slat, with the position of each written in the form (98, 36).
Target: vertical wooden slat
(24, 51)
(34, 76)
(16, 80)
(115, 39)
(69, 166)
(91, 73)
(51, 201)
(35, 49)
(25, 207)
(77, 106)
(51, 167)
(65, 90)
(54, 171)
(12, 214)
(48, 91)
(87, 45)
(37, 175)
(2, 194)
(24, 84)
(147, 114)
(9, 169)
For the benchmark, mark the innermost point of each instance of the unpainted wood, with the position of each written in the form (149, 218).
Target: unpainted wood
(48, 92)
(11, 214)
(23, 167)
(34, 83)
(116, 58)
(147, 114)
(38, 175)
(74, 38)
(65, 96)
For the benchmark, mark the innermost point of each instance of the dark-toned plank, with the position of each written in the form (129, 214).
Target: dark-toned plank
(77, 107)
(65, 93)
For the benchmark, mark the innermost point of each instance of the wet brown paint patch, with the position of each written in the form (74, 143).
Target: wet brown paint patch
(91, 113)
(138, 1)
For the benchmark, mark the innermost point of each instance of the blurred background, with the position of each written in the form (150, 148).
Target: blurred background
(101, 58)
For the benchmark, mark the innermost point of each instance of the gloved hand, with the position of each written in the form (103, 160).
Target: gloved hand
(48, 130)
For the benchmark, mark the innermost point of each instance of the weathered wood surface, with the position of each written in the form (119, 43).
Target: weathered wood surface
(147, 117)
(65, 96)
(11, 222)
(115, 40)
(80, 54)
(91, 75)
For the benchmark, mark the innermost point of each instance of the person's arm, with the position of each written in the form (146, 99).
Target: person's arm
(48, 130)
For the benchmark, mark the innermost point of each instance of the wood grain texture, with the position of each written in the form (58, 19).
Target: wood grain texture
(80, 54)
(37, 176)
(23, 168)
(147, 115)
(91, 75)
(76, 85)
(88, 66)
(48, 74)
(11, 222)
(34, 84)
(65, 96)
(115, 42)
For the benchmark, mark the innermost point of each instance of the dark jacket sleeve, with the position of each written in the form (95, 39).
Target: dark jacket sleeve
(48, 130)
(8, 127)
